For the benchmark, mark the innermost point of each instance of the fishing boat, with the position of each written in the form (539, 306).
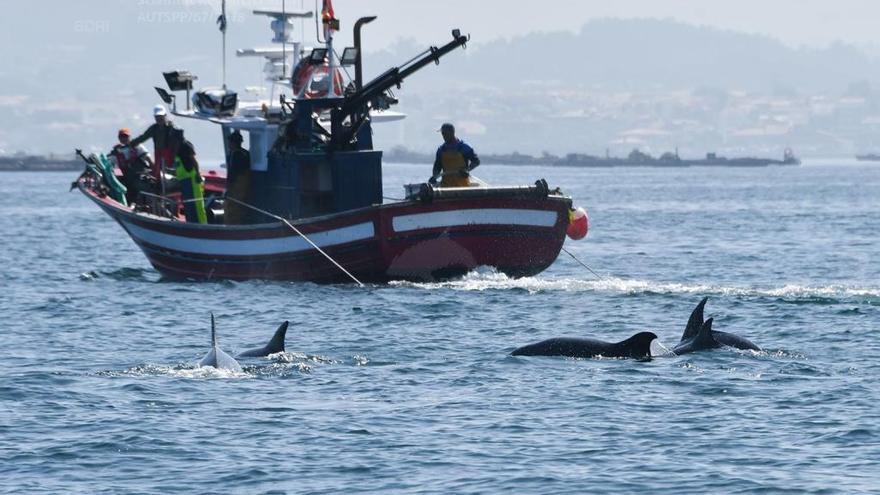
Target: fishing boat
(316, 185)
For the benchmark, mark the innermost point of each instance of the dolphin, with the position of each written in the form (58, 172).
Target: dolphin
(695, 326)
(216, 357)
(695, 322)
(636, 347)
(704, 339)
(275, 345)
(733, 340)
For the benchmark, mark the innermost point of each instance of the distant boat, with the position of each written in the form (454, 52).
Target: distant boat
(869, 157)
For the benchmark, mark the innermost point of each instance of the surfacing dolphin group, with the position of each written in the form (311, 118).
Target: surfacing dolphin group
(698, 335)
(216, 358)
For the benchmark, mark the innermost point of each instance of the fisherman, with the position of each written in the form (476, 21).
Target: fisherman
(134, 162)
(166, 138)
(192, 185)
(238, 181)
(454, 160)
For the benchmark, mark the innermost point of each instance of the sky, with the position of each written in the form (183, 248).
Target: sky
(795, 22)
(71, 57)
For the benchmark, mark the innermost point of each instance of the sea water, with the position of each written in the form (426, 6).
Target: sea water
(409, 387)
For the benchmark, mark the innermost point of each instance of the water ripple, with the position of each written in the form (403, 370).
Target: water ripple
(483, 280)
(410, 388)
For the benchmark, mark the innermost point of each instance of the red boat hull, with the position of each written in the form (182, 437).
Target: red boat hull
(409, 240)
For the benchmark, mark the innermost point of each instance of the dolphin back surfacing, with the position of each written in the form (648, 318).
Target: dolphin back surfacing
(698, 335)
(216, 358)
(636, 347)
(275, 345)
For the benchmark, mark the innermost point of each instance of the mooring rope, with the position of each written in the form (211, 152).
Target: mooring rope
(292, 227)
(667, 350)
(172, 200)
(600, 277)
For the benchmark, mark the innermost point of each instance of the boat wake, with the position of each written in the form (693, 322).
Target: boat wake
(191, 372)
(187, 371)
(291, 357)
(122, 275)
(488, 281)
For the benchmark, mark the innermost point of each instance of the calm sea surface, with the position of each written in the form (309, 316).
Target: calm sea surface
(410, 387)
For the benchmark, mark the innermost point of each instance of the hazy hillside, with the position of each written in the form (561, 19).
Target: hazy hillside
(649, 54)
(650, 84)
(618, 84)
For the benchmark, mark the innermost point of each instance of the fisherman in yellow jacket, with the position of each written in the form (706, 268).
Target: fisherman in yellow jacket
(192, 186)
(454, 160)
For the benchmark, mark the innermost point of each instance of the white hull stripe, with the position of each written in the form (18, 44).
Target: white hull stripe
(489, 216)
(251, 247)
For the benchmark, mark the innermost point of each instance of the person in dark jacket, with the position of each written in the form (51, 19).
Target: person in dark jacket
(166, 139)
(238, 181)
(135, 163)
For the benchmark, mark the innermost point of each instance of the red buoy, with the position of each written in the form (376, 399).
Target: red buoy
(578, 224)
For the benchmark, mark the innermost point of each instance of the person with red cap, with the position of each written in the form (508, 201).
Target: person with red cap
(133, 161)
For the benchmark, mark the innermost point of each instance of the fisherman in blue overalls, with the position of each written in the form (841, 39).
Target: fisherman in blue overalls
(454, 160)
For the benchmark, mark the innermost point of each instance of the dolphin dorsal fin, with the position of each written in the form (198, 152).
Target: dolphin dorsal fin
(705, 336)
(639, 345)
(276, 345)
(695, 322)
(213, 332)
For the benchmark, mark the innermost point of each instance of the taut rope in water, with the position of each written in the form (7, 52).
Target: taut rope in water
(293, 228)
(669, 352)
(600, 277)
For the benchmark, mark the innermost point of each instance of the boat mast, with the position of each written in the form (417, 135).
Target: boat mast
(328, 34)
(331, 23)
(275, 69)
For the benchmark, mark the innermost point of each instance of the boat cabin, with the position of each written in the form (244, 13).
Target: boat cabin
(295, 174)
(312, 154)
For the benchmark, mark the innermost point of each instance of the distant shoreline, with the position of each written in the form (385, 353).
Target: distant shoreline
(35, 163)
(72, 167)
(32, 163)
(634, 159)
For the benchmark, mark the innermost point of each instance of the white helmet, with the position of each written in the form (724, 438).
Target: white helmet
(159, 110)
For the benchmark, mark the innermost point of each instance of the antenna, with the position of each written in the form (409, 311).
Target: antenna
(276, 66)
(222, 22)
(284, 43)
